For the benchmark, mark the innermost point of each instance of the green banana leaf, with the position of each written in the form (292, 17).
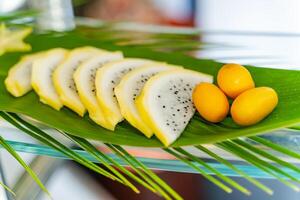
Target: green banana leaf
(285, 82)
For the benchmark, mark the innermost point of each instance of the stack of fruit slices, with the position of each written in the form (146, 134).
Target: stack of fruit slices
(154, 97)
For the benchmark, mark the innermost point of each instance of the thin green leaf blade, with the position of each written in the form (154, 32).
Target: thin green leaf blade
(121, 168)
(24, 165)
(216, 172)
(151, 174)
(209, 177)
(264, 166)
(275, 147)
(235, 169)
(266, 155)
(48, 140)
(141, 173)
(93, 151)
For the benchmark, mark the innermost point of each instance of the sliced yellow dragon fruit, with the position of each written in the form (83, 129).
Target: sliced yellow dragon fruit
(18, 81)
(84, 78)
(129, 89)
(107, 78)
(166, 104)
(63, 77)
(41, 76)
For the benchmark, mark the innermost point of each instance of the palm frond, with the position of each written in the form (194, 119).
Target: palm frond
(12, 152)
(159, 185)
(259, 163)
(206, 175)
(275, 147)
(213, 170)
(43, 137)
(266, 155)
(103, 160)
(151, 181)
(150, 173)
(112, 162)
(235, 169)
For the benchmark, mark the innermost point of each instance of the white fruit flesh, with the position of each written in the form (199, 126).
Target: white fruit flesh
(107, 78)
(166, 102)
(18, 81)
(130, 87)
(63, 77)
(84, 78)
(41, 76)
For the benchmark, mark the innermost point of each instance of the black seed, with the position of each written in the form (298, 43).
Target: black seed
(184, 122)
(184, 115)
(176, 92)
(174, 129)
(158, 96)
(168, 124)
(178, 110)
(173, 114)
(164, 106)
(112, 82)
(173, 122)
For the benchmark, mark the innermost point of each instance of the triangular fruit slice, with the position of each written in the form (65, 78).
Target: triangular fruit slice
(63, 77)
(41, 76)
(130, 87)
(84, 78)
(166, 102)
(107, 78)
(18, 81)
(12, 40)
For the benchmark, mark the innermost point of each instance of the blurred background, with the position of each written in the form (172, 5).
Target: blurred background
(257, 32)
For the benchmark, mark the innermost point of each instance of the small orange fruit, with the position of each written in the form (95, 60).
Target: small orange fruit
(233, 79)
(253, 105)
(211, 102)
